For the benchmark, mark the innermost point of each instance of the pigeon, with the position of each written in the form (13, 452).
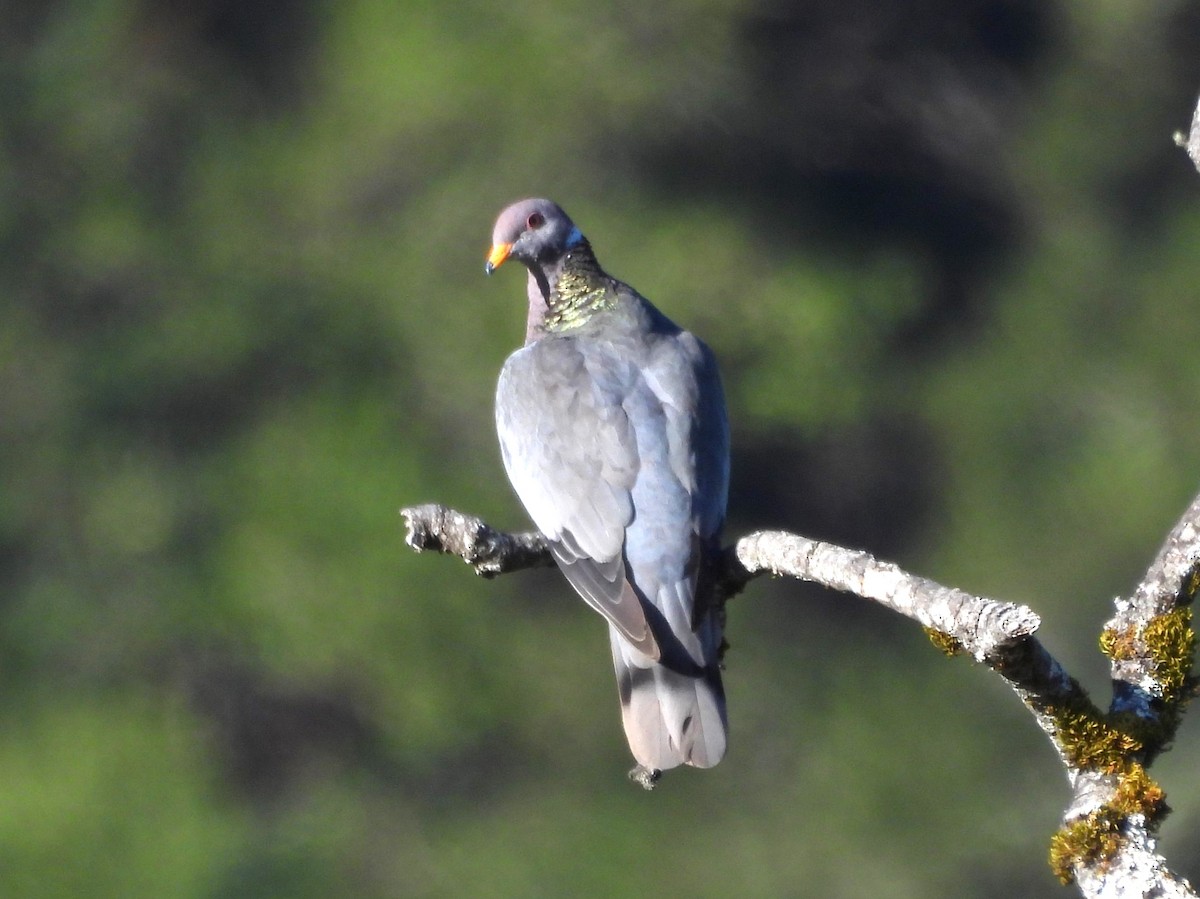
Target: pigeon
(613, 431)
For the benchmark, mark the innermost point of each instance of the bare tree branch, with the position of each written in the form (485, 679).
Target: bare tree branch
(982, 627)
(1107, 843)
(485, 549)
(979, 626)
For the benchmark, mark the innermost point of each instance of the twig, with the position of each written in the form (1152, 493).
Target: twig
(982, 627)
(488, 551)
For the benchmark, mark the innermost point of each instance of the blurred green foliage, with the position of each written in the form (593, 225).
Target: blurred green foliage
(948, 260)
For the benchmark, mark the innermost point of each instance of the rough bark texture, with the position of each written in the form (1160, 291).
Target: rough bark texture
(485, 549)
(982, 627)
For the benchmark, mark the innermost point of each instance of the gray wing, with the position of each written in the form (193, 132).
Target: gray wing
(678, 412)
(688, 385)
(675, 712)
(571, 455)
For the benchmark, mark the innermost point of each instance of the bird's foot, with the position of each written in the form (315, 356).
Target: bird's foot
(646, 778)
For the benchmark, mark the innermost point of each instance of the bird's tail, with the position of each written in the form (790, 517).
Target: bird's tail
(670, 718)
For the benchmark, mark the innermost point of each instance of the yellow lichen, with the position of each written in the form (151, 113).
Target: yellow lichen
(1137, 794)
(1148, 732)
(1192, 585)
(1171, 644)
(1087, 841)
(1096, 838)
(1108, 640)
(1090, 739)
(1114, 744)
(945, 643)
(1118, 645)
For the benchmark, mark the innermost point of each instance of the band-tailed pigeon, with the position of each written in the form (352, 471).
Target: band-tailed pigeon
(613, 430)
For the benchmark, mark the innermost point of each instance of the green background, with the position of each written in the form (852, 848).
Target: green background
(945, 251)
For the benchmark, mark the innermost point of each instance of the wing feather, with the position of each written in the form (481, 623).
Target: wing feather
(571, 455)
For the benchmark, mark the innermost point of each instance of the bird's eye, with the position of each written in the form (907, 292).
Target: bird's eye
(535, 220)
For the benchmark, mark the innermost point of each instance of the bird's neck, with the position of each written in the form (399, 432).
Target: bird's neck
(573, 289)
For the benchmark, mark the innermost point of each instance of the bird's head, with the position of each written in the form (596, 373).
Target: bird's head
(534, 232)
